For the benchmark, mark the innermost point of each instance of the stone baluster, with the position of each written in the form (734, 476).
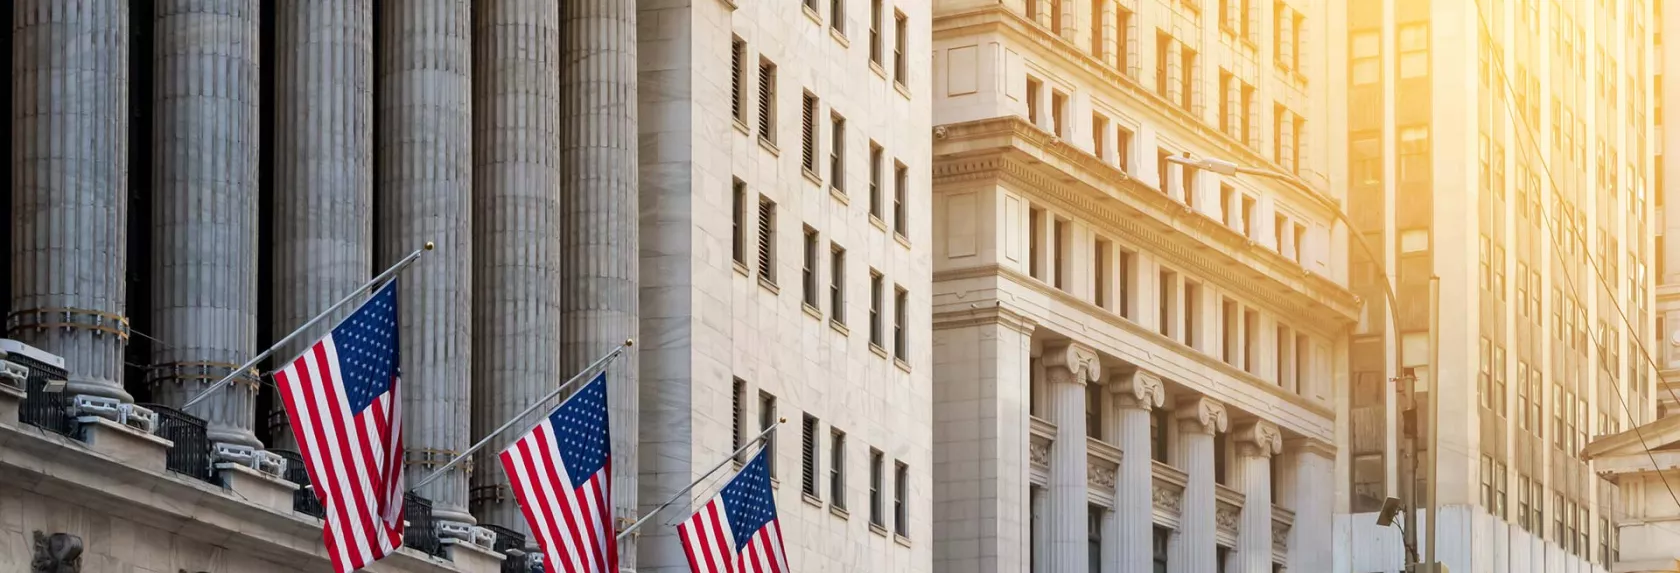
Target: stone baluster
(1069, 367)
(1199, 420)
(1131, 525)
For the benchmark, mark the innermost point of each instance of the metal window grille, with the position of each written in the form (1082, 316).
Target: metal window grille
(421, 533)
(767, 101)
(190, 453)
(303, 500)
(511, 544)
(808, 458)
(49, 411)
(737, 51)
(735, 413)
(767, 239)
(808, 132)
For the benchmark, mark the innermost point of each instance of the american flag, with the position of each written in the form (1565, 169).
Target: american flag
(737, 532)
(346, 414)
(561, 473)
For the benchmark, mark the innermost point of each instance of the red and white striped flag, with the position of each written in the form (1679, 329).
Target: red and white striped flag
(561, 473)
(737, 532)
(341, 396)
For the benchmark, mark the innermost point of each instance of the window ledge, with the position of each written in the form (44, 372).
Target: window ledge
(741, 126)
(769, 285)
(839, 195)
(902, 365)
(901, 540)
(839, 327)
(768, 145)
(877, 529)
(876, 348)
(811, 310)
(812, 14)
(729, 3)
(811, 500)
(875, 66)
(839, 512)
(839, 37)
(905, 242)
(877, 222)
(741, 268)
(902, 89)
(811, 176)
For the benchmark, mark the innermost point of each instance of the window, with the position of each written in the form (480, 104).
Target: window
(837, 151)
(1522, 502)
(808, 457)
(1033, 86)
(1251, 341)
(1124, 284)
(1522, 288)
(1099, 133)
(1300, 244)
(1098, 40)
(1249, 208)
(1187, 71)
(1163, 54)
(737, 52)
(767, 101)
(1166, 287)
(1222, 558)
(1487, 482)
(875, 294)
(1414, 50)
(901, 200)
(1228, 347)
(1245, 129)
(837, 16)
(1484, 374)
(901, 316)
(1061, 239)
(1159, 542)
(738, 239)
(766, 239)
(875, 32)
(808, 134)
(837, 468)
(901, 508)
(1486, 253)
(1227, 195)
(766, 419)
(877, 473)
(1100, 253)
(1123, 148)
(901, 36)
(1123, 40)
(1035, 242)
(736, 429)
(1537, 509)
(1226, 125)
(1093, 534)
(1221, 463)
(1498, 397)
(1192, 312)
(812, 4)
(837, 284)
(875, 156)
(1366, 62)
(1058, 113)
(810, 269)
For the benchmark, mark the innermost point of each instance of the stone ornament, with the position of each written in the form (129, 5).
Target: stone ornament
(1280, 537)
(1204, 414)
(1039, 453)
(1259, 438)
(1226, 518)
(1138, 389)
(1167, 499)
(1102, 477)
(1071, 358)
(57, 553)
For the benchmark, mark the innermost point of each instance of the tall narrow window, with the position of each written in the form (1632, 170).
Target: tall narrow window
(1227, 123)
(837, 468)
(1097, 37)
(767, 101)
(735, 399)
(837, 153)
(1251, 341)
(766, 239)
(1123, 40)
(875, 296)
(739, 232)
(1187, 71)
(1300, 243)
(1093, 534)
(1250, 210)
(737, 52)
(1163, 54)
(877, 474)
(1228, 346)
(810, 268)
(1192, 312)
(875, 32)
(901, 318)
(808, 134)
(1099, 132)
(812, 4)
(1166, 286)
(1124, 284)
(901, 508)
(1227, 196)
(1035, 242)
(1123, 148)
(837, 16)
(875, 167)
(1058, 113)
(901, 39)
(1099, 273)
(837, 284)
(901, 200)
(766, 419)
(808, 456)
(1032, 100)
(1061, 239)
(1303, 362)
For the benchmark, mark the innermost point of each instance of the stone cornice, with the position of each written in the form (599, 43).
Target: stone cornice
(999, 19)
(1010, 151)
(993, 313)
(1319, 448)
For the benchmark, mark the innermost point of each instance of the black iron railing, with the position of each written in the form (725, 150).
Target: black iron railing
(421, 533)
(46, 410)
(303, 500)
(190, 453)
(509, 542)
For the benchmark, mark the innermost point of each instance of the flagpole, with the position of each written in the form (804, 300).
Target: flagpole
(402, 264)
(684, 491)
(587, 370)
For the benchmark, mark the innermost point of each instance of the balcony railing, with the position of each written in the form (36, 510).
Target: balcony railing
(189, 455)
(511, 544)
(49, 411)
(421, 533)
(303, 500)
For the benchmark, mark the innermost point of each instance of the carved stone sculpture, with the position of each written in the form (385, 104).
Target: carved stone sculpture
(57, 553)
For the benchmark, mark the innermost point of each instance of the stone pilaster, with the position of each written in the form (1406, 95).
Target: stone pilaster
(1192, 550)
(321, 215)
(425, 186)
(516, 225)
(1314, 465)
(70, 186)
(1257, 442)
(600, 214)
(1069, 367)
(1134, 395)
(204, 210)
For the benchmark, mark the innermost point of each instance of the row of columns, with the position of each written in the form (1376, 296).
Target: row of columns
(554, 258)
(1132, 396)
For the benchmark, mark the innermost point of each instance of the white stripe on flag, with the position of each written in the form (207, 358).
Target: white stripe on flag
(363, 445)
(295, 387)
(330, 417)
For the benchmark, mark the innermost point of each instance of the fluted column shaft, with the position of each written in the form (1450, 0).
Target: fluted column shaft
(204, 210)
(1068, 521)
(1193, 549)
(70, 186)
(1314, 471)
(1132, 533)
(1257, 442)
(516, 222)
(600, 217)
(322, 209)
(424, 181)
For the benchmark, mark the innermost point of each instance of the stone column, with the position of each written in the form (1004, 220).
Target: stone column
(1314, 464)
(1257, 442)
(321, 213)
(204, 211)
(1069, 366)
(516, 224)
(600, 218)
(1134, 394)
(424, 184)
(1192, 550)
(70, 187)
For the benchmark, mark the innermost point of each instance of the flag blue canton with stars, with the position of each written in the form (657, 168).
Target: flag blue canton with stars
(367, 349)
(580, 426)
(748, 500)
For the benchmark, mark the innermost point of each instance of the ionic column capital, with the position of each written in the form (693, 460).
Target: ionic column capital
(1258, 438)
(1137, 389)
(1202, 415)
(1069, 361)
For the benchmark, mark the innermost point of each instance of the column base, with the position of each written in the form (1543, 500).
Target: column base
(124, 444)
(470, 558)
(257, 487)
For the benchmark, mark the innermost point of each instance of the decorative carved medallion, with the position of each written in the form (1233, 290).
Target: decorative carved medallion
(1101, 477)
(1226, 518)
(1167, 499)
(57, 553)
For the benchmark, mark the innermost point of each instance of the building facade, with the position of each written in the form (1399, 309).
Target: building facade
(1521, 179)
(190, 182)
(1136, 361)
